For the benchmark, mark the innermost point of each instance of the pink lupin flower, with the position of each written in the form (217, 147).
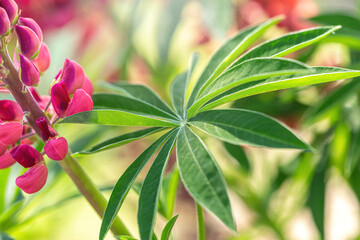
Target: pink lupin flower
(30, 23)
(29, 74)
(56, 148)
(81, 102)
(28, 40)
(88, 87)
(4, 22)
(6, 160)
(11, 9)
(33, 179)
(10, 111)
(46, 131)
(42, 61)
(73, 75)
(10, 132)
(3, 148)
(60, 98)
(26, 155)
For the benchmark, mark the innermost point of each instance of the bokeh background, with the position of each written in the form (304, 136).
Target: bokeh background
(277, 194)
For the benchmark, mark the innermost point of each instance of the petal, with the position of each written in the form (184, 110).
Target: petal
(73, 75)
(10, 111)
(30, 23)
(60, 98)
(42, 61)
(29, 74)
(6, 160)
(33, 179)
(10, 132)
(11, 8)
(46, 131)
(4, 22)
(56, 149)
(88, 86)
(3, 149)
(28, 41)
(81, 102)
(26, 155)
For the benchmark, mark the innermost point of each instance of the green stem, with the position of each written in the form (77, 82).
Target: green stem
(27, 102)
(201, 223)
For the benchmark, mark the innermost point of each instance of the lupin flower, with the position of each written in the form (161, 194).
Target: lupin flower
(42, 61)
(11, 9)
(29, 74)
(60, 98)
(88, 87)
(26, 155)
(30, 23)
(28, 40)
(6, 160)
(3, 148)
(10, 111)
(10, 132)
(56, 149)
(46, 131)
(33, 179)
(73, 75)
(81, 102)
(4, 22)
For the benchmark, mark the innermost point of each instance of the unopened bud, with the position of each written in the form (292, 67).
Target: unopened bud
(11, 9)
(29, 74)
(4, 22)
(30, 23)
(28, 40)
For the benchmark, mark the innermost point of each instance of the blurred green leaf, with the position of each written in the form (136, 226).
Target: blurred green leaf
(238, 153)
(123, 185)
(238, 126)
(202, 177)
(150, 190)
(349, 24)
(319, 75)
(168, 227)
(116, 118)
(119, 141)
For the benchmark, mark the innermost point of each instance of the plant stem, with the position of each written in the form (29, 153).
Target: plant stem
(70, 165)
(201, 223)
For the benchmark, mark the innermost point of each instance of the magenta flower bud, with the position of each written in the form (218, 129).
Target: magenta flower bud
(10, 132)
(11, 9)
(29, 74)
(28, 40)
(2, 149)
(56, 149)
(42, 61)
(73, 75)
(30, 23)
(26, 155)
(4, 22)
(81, 102)
(46, 131)
(88, 87)
(10, 111)
(33, 180)
(60, 98)
(6, 160)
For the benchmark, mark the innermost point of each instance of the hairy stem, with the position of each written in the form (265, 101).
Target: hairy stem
(70, 165)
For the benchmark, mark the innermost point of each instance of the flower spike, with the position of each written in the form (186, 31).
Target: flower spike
(28, 40)
(29, 74)
(34, 179)
(26, 155)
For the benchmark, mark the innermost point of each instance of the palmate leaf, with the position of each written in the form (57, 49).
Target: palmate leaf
(140, 92)
(248, 71)
(238, 126)
(128, 104)
(202, 177)
(119, 141)
(227, 53)
(150, 190)
(116, 118)
(123, 185)
(318, 75)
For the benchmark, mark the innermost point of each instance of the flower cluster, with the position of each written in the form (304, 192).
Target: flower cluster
(71, 93)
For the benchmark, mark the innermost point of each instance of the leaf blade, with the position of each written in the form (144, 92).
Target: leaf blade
(168, 227)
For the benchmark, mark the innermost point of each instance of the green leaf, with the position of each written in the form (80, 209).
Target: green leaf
(123, 185)
(335, 98)
(202, 177)
(149, 194)
(227, 53)
(288, 43)
(140, 92)
(168, 227)
(170, 189)
(349, 24)
(128, 104)
(239, 126)
(119, 141)
(248, 71)
(238, 153)
(116, 118)
(318, 75)
(179, 87)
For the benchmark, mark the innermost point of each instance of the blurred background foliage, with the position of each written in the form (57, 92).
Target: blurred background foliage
(276, 194)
